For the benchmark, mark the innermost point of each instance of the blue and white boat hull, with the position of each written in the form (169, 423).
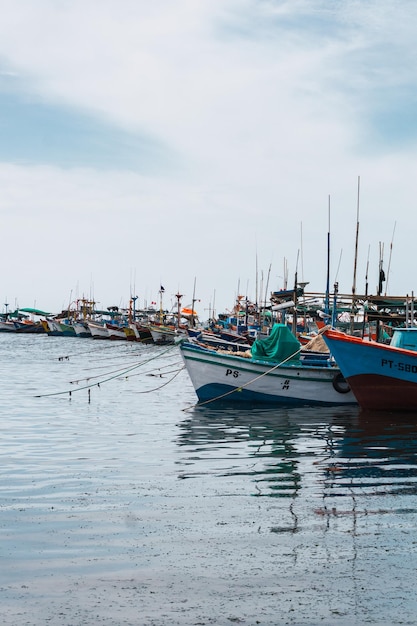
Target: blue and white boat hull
(227, 377)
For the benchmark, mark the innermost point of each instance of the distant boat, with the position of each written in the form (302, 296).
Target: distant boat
(167, 334)
(7, 326)
(272, 372)
(58, 328)
(81, 329)
(116, 332)
(26, 326)
(97, 330)
(213, 340)
(141, 332)
(382, 377)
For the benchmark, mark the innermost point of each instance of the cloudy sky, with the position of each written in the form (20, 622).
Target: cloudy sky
(202, 142)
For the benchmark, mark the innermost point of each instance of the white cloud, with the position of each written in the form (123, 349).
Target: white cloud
(268, 107)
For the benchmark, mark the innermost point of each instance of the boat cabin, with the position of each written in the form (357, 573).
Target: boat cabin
(405, 338)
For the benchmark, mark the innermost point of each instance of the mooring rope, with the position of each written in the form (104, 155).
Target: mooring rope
(165, 383)
(121, 370)
(105, 380)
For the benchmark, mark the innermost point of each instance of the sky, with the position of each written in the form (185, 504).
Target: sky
(212, 147)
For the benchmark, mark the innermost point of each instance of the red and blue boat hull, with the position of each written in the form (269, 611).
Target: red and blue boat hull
(382, 377)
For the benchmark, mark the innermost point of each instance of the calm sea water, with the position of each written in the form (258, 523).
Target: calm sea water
(124, 503)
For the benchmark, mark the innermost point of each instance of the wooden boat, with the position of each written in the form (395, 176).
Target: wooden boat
(212, 340)
(138, 332)
(58, 328)
(81, 329)
(7, 326)
(27, 326)
(271, 372)
(116, 332)
(97, 330)
(381, 376)
(167, 334)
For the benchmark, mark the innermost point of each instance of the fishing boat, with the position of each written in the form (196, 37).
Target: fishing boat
(163, 335)
(7, 326)
(98, 330)
(168, 330)
(116, 332)
(213, 340)
(141, 332)
(58, 328)
(271, 372)
(27, 326)
(81, 329)
(381, 376)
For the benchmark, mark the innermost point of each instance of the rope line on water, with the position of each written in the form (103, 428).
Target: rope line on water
(165, 383)
(121, 370)
(105, 380)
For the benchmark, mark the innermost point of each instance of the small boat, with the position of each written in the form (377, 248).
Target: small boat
(58, 328)
(211, 340)
(98, 330)
(163, 335)
(26, 326)
(143, 332)
(271, 372)
(381, 376)
(116, 332)
(81, 329)
(7, 326)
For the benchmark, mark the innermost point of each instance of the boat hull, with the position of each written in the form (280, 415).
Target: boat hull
(162, 335)
(229, 378)
(98, 331)
(56, 329)
(81, 330)
(382, 377)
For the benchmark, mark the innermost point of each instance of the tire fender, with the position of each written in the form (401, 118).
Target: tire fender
(340, 384)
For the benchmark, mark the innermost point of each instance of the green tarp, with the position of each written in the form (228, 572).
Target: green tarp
(34, 311)
(279, 346)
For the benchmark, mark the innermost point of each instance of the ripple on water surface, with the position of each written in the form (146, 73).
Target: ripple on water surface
(127, 500)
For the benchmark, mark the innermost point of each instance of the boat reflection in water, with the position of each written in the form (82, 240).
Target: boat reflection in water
(326, 454)
(315, 509)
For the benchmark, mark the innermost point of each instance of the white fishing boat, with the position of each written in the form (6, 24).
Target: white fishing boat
(97, 330)
(167, 334)
(272, 372)
(81, 329)
(58, 328)
(6, 326)
(116, 332)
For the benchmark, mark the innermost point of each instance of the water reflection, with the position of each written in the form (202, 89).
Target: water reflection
(375, 455)
(333, 452)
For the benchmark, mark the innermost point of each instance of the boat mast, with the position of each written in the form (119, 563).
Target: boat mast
(266, 290)
(134, 298)
(352, 314)
(294, 317)
(178, 297)
(366, 297)
(327, 303)
(192, 305)
(389, 260)
(161, 291)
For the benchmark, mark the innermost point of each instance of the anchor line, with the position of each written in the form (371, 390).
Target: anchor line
(121, 372)
(166, 382)
(105, 380)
